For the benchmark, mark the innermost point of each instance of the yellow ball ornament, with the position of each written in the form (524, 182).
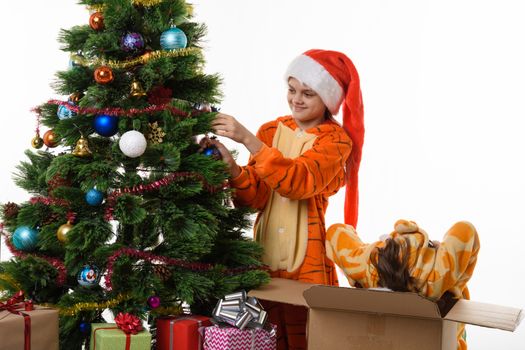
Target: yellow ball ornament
(63, 231)
(37, 142)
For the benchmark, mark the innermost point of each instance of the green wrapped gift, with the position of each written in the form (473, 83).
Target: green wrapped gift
(107, 336)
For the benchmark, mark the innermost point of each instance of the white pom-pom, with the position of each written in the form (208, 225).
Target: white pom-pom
(132, 143)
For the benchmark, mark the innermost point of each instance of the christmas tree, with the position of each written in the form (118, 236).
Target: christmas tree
(128, 212)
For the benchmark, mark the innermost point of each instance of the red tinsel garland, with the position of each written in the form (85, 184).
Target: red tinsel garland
(139, 189)
(38, 112)
(71, 216)
(118, 112)
(56, 263)
(193, 266)
(50, 201)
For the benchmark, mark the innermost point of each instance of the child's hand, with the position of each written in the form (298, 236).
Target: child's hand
(227, 126)
(234, 169)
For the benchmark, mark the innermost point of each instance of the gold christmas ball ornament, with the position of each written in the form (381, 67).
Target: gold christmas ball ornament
(50, 139)
(96, 21)
(82, 148)
(63, 231)
(103, 75)
(37, 142)
(75, 97)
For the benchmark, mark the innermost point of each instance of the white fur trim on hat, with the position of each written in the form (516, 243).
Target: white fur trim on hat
(310, 72)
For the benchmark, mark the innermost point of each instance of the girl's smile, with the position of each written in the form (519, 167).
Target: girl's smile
(307, 108)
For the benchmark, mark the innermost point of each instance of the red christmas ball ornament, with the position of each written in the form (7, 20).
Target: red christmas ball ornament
(50, 139)
(103, 75)
(96, 21)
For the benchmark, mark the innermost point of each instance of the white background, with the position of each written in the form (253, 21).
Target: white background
(443, 85)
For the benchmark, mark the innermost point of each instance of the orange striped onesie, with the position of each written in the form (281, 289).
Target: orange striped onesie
(289, 181)
(435, 270)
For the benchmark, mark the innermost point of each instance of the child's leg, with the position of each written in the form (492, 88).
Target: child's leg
(295, 318)
(291, 324)
(462, 342)
(290, 319)
(455, 261)
(276, 317)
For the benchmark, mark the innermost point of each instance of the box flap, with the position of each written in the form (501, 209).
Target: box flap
(485, 315)
(282, 290)
(371, 301)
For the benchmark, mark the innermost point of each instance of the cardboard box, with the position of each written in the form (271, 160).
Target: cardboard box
(44, 329)
(355, 318)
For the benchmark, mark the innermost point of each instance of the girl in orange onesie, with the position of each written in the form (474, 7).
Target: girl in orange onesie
(406, 261)
(297, 162)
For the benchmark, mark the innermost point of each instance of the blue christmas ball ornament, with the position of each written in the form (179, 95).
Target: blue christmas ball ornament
(105, 125)
(85, 327)
(94, 197)
(73, 64)
(173, 38)
(132, 42)
(25, 238)
(213, 152)
(64, 112)
(88, 276)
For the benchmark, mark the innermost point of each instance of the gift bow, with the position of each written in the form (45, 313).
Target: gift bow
(128, 323)
(14, 303)
(239, 311)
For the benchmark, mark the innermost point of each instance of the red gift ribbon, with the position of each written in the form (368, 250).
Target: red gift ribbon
(11, 305)
(127, 323)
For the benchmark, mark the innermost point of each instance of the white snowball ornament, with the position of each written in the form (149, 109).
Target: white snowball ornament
(132, 143)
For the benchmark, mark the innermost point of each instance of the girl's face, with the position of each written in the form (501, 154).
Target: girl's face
(307, 108)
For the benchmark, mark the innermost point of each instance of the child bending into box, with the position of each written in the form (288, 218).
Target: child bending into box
(407, 261)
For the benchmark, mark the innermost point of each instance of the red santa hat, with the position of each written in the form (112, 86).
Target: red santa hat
(333, 76)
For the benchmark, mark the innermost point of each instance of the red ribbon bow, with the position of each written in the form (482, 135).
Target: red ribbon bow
(11, 305)
(128, 323)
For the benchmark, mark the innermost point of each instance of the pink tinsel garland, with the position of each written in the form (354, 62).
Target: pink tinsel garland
(118, 112)
(50, 201)
(139, 189)
(193, 266)
(56, 263)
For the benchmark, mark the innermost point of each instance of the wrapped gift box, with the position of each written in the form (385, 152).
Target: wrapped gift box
(43, 329)
(180, 332)
(107, 336)
(231, 338)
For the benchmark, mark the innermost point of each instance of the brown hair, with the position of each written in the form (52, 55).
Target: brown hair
(392, 266)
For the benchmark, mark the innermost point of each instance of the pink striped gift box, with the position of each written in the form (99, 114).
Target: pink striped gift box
(231, 338)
